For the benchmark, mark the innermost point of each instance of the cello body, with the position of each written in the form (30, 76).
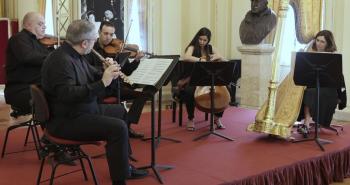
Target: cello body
(203, 100)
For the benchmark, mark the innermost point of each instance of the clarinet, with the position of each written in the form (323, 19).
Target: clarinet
(103, 60)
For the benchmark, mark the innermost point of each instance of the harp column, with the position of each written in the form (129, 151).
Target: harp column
(267, 124)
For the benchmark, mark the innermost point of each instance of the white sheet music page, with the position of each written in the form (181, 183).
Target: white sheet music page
(150, 71)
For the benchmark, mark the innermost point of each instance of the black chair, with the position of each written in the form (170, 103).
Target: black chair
(176, 100)
(41, 115)
(31, 129)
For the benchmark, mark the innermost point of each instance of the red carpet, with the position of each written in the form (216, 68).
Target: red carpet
(251, 159)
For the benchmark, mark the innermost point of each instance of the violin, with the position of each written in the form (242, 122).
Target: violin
(51, 41)
(116, 46)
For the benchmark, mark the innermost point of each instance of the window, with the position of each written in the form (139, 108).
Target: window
(49, 18)
(135, 35)
(137, 16)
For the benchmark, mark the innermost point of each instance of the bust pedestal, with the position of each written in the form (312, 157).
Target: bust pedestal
(256, 74)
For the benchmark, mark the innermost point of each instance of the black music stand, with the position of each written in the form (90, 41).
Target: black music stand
(233, 84)
(153, 165)
(318, 70)
(212, 74)
(121, 58)
(160, 94)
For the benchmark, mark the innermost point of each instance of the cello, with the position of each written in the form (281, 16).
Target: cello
(203, 99)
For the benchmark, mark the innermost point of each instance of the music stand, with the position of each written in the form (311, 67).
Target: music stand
(121, 58)
(233, 84)
(153, 165)
(212, 74)
(318, 70)
(160, 94)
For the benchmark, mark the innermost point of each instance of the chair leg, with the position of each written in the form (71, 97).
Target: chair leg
(27, 135)
(174, 111)
(88, 158)
(206, 116)
(7, 134)
(40, 171)
(180, 113)
(91, 169)
(36, 139)
(6, 137)
(54, 167)
(5, 143)
(83, 169)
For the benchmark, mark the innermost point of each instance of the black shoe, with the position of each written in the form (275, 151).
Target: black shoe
(304, 130)
(44, 140)
(64, 158)
(120, 182)
(135, 173)
(134, 134)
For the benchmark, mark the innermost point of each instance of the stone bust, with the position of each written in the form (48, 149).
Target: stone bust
(258, 23)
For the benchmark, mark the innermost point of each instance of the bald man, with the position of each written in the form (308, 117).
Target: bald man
(24, 58)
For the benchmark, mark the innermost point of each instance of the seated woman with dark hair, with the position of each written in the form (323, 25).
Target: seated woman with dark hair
(199, 50)
(329, 97)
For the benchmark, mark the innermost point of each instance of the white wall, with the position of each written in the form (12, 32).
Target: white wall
(174, 23)
(171, 27)
(336, 14)
(18, 8)
(239, 9)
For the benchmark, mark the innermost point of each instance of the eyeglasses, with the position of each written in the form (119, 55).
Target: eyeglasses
(93, 40)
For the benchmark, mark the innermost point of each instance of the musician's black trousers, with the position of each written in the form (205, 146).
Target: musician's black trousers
(187, 96)
(19, 97)
(139, 101)
(108, 126)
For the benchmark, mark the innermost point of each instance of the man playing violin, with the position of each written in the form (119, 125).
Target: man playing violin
(24, 58)
(106, 33)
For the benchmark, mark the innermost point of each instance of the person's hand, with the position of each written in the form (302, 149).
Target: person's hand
(110, 73)
(139, 55)
(108, 62)
(215, 57)
(182, 83)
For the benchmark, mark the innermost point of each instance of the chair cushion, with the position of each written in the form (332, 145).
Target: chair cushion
(110, 100)
(62, 141)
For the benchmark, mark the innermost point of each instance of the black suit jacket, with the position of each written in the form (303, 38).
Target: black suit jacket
(24, 58)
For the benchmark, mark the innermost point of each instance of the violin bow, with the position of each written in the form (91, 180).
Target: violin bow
(123, 44)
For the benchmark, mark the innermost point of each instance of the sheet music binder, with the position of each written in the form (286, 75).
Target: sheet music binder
(154, 72)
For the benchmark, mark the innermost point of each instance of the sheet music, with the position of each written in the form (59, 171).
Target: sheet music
(150, 71)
